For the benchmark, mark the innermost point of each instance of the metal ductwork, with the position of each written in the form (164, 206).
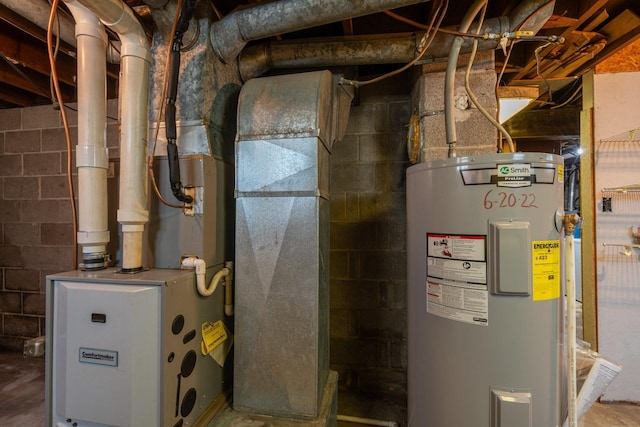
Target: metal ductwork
(355, 50)
(230, 35)
(382, 48)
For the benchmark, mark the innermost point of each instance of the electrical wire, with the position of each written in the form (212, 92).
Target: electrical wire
(56, 85)
(544, 79)
(473, 97)
(570, 99)
(154, 185)
(426, 27)
(426, 41)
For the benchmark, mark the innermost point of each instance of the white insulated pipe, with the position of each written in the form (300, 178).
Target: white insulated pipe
(92, 158)
(570, 221)
(134, 113)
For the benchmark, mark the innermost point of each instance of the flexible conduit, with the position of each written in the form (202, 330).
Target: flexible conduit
(450, 77)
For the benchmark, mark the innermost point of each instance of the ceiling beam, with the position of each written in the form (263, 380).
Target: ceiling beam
(32, 54)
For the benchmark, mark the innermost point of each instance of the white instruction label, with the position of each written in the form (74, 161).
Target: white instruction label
(456, 284)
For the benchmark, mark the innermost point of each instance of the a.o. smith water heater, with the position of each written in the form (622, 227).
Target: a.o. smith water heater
(484, 291)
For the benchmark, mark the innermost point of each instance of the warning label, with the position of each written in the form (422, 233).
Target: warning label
(456, 284)
(546, 269)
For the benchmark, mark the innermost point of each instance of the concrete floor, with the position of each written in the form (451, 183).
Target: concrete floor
(22, 399)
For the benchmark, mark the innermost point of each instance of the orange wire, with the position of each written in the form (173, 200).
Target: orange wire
(56, 84)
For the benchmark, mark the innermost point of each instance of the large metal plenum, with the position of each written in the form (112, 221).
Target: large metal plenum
(282, 244)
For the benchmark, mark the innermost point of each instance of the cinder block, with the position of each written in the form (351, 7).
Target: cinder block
(378, 206)
(57, 234)
(45, 211)
(11, 165)
(55, 187)
(353, 235)
(367, 118)
(358, 352)
(21, 326)
(392, 235)
(10, 256)
(33, 304)
(26, 141)
(51, 257)
(25, 188)
(393, 295)
(10, 302)
(22, 280)
(385, 382)
(41, 164)
(391, 177)
(352, 207)
(338, 206)
(399, 113)
(352, 177)
(54, 139)
(339, 261)
(384, 324)
(398, 353)
(39, 117)
(11, 119)
(340, 321)
(345, 150)
(113, 135)
(9, 211)
(355, 294)
(20, 234)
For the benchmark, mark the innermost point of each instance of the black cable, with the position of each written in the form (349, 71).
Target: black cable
(186, 13)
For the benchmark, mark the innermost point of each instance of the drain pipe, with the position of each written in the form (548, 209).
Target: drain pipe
(92, 158)
(231, 34)
(135, 61)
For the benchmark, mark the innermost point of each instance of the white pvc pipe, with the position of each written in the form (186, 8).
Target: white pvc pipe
(571, 330)
(200, 266)
(134, 113)
(92, 158)
(367, 421)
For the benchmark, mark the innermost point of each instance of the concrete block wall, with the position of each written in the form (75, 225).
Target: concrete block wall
(368, 249)
(36, 231)
(475, 134)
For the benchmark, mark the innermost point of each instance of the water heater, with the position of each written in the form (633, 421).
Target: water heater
(484, 272)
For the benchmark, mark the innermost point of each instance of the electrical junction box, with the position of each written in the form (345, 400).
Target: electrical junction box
(125, 350)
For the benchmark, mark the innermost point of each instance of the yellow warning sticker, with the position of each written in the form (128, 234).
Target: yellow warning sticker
(213, 334)
(560, 173)
(546, 269)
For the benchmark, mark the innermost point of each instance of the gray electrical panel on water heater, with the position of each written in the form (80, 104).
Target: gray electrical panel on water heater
(484, 306)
